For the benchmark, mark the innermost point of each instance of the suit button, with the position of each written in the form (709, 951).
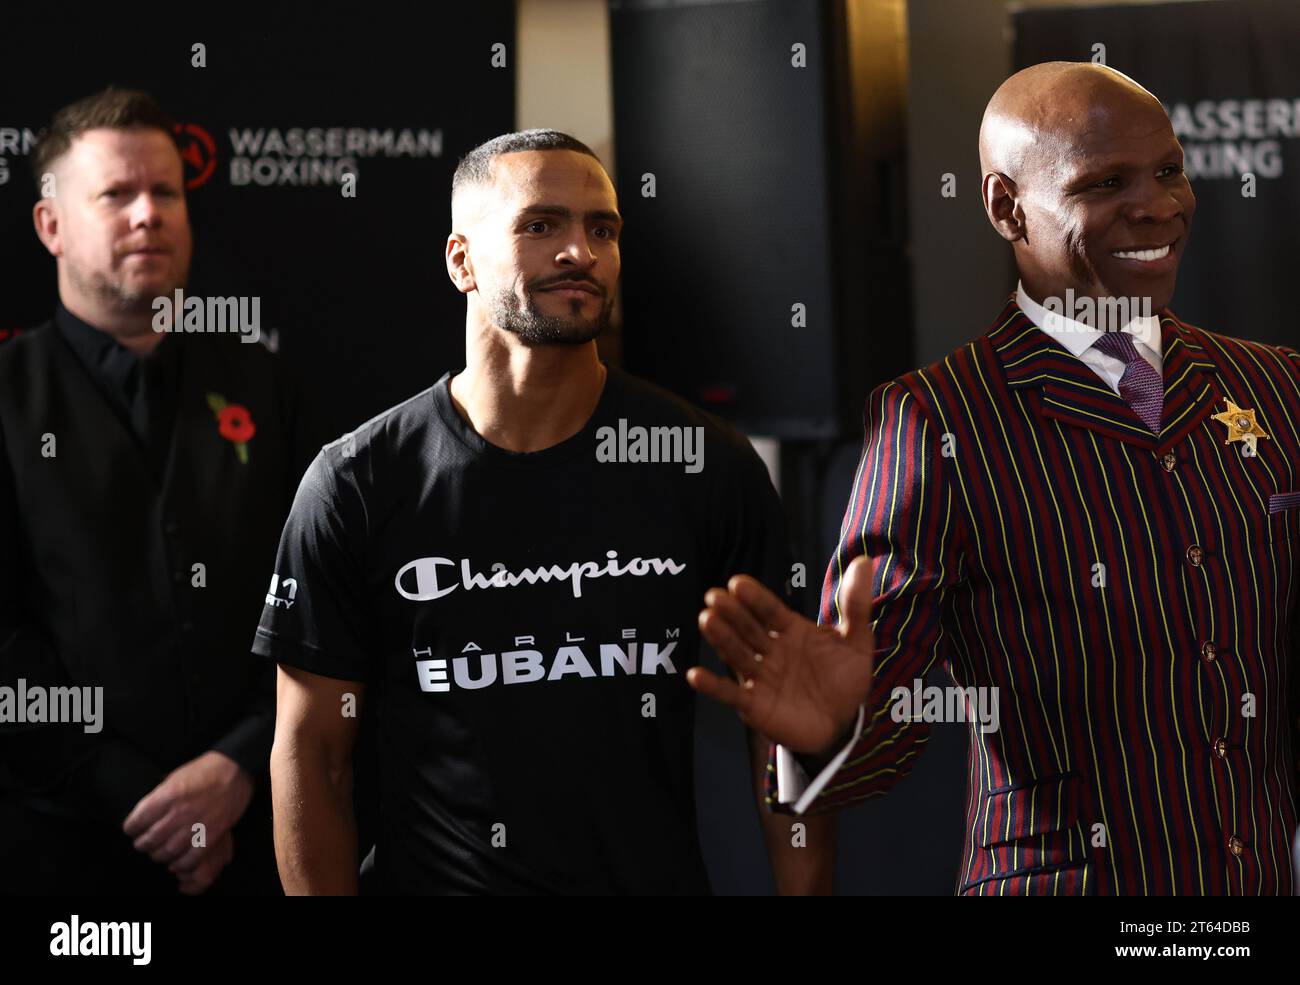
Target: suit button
(1169, 460)
(171, 528)
(1195, 555)
(178, 576)
(1221, 748)
(1209, 652)
(187, 626)
(1236, 845)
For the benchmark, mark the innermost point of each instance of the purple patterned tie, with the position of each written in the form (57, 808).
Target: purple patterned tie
(1140, 386)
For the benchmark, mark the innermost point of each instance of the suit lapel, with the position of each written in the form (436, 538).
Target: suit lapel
(192, 456)
(1191, 384)
(178, 442)
(86, 398)
(200, 460)
(1070, 392)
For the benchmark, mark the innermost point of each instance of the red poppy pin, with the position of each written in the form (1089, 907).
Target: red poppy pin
(234, 423)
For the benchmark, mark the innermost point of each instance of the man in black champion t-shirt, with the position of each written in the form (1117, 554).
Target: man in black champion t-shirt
(511, 564)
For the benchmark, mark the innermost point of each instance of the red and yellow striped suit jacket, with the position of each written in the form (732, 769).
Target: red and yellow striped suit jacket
(1133, 598)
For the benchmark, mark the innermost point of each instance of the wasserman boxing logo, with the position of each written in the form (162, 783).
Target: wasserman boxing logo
(1227, 138)
(418, 580)
(320, 155)
(15, 142)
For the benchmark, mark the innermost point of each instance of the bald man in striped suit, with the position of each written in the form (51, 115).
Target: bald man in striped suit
(1090, 512)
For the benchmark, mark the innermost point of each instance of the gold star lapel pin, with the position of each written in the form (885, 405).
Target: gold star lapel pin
(1241, 426)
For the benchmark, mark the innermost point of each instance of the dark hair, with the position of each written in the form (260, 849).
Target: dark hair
(111, 108)
(475, 168)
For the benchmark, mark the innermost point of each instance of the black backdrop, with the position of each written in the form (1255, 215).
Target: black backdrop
(1210, 63)
(739, 229)
(353, 290)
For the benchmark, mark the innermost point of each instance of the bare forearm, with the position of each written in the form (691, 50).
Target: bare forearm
(803, 859)
(800, 849)
(315, 830)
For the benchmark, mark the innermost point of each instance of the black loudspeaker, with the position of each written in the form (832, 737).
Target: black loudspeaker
(763, 266)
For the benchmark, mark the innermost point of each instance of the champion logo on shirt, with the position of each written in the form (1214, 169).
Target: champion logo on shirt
(424, 585)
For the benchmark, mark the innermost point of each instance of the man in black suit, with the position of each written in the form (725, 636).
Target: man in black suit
(144, 478)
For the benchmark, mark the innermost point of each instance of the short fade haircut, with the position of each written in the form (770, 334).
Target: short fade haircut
(475, 168)
(111, 109)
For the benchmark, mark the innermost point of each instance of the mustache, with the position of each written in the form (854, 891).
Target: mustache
(548, 284)
(149, 244)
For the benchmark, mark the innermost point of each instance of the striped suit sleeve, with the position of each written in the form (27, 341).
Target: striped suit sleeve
(1294, 697)
(901, 514)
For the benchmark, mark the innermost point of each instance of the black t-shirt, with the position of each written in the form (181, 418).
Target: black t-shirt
(527, 620)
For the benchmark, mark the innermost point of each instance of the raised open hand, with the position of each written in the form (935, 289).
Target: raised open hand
(801, 683)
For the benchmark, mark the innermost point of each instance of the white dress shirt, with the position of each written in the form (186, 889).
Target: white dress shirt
(792, 783)
(1078, 338)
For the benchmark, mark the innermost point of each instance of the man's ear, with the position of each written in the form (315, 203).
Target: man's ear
(1001, 202)
(46, 220)
(459, 268)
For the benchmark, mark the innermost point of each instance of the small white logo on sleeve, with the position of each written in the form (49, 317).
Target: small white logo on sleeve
(290, 589)
(102, 939)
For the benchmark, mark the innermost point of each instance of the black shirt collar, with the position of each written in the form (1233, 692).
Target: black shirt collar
(97, 350)
(115, 369)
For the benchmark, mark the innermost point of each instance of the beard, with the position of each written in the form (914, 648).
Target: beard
(526, 320)
(114, 294)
